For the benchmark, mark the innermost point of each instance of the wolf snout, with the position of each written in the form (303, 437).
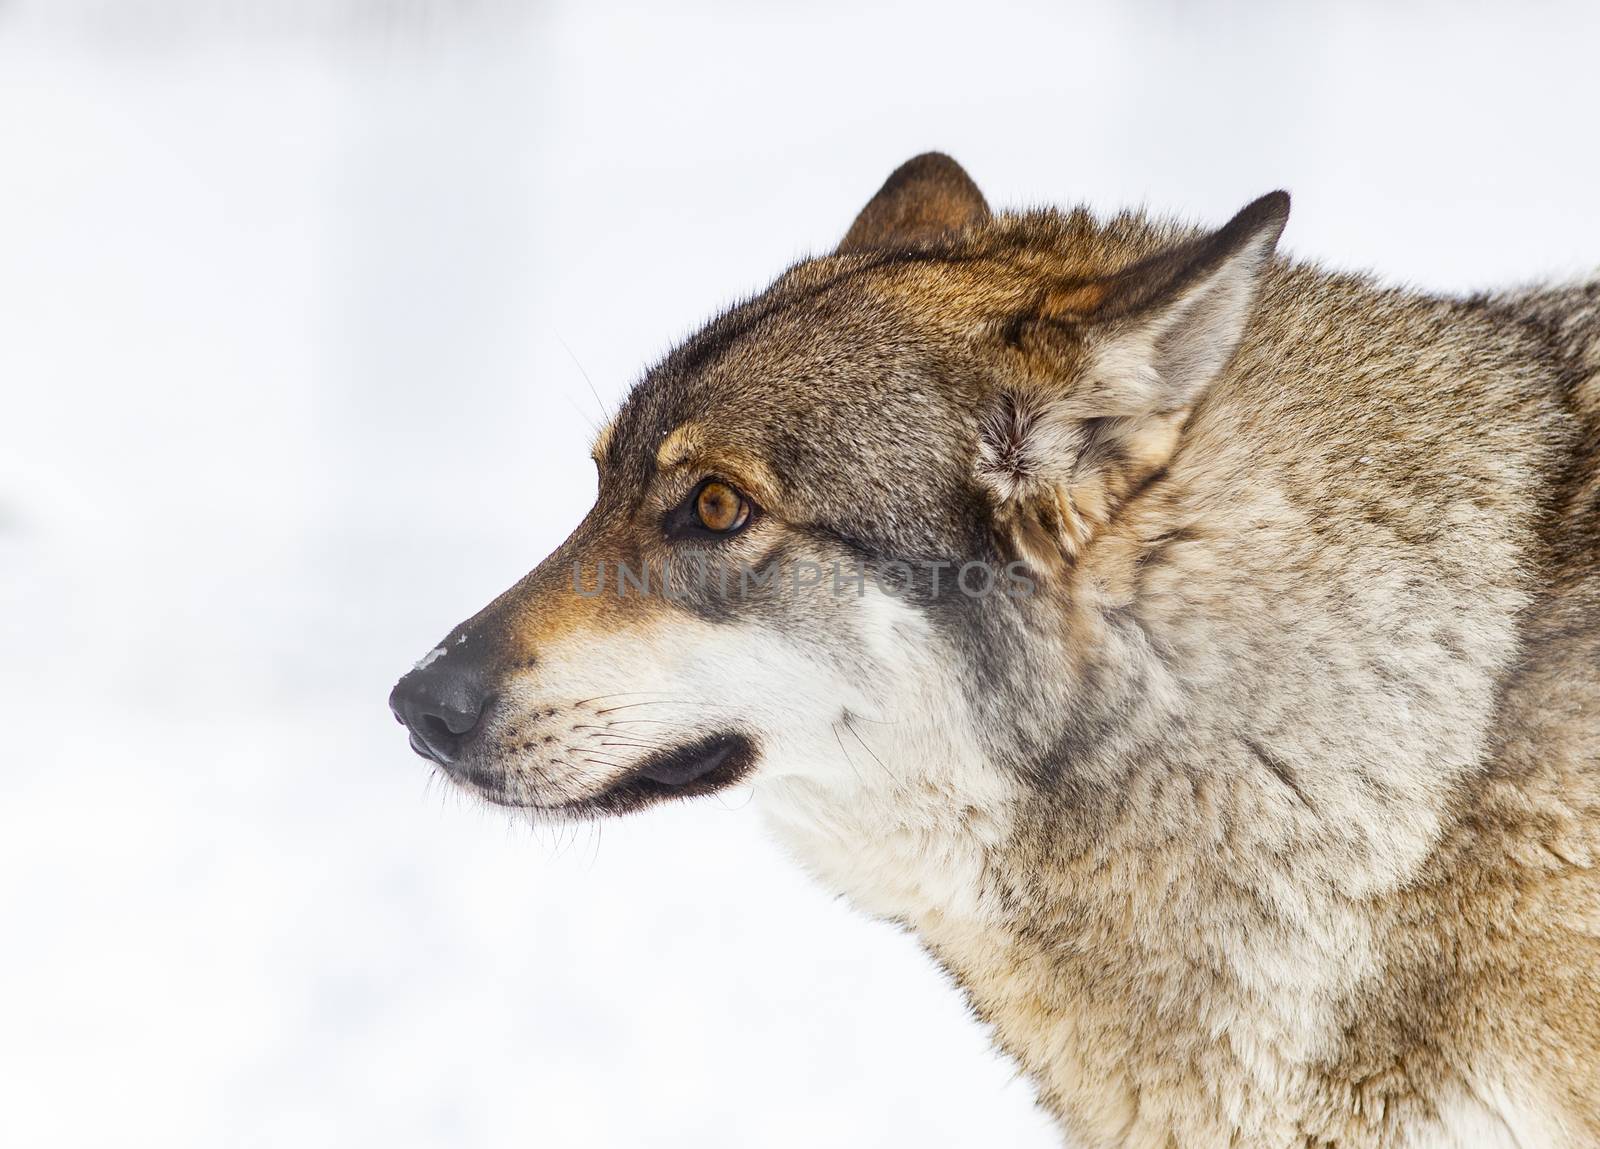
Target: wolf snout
(440, 702)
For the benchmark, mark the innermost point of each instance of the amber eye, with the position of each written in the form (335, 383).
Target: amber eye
(720, 508)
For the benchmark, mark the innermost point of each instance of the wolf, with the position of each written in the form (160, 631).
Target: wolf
(1267, 814)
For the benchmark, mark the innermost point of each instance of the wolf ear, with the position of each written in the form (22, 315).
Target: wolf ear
(925, 197)
(1165, 327)
(1115, 365)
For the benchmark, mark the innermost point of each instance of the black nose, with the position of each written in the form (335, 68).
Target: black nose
(440, 703)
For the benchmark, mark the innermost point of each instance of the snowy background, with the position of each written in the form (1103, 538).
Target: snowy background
(297, 301)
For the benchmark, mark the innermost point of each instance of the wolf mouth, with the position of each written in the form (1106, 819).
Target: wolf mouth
(700, 767)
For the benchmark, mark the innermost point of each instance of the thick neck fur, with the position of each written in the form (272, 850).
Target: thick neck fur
(1273, 703)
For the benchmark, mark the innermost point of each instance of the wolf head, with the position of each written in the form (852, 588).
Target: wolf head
(836, 530)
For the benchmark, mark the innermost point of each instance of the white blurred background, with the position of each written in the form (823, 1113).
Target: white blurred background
(297, 300)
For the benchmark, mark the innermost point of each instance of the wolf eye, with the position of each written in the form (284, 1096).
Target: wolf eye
(720, 508)
(714, 509)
